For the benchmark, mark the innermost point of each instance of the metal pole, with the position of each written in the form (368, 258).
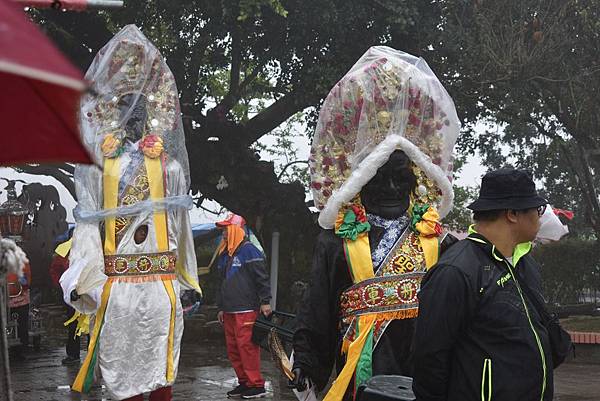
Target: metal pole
(5, 390)
(274, 267)
(71, 5)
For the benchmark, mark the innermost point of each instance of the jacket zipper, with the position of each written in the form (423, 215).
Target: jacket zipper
(537, 338)
(486, 378)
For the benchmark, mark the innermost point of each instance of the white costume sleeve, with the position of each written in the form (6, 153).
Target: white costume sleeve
(187, 269)
(86, 260)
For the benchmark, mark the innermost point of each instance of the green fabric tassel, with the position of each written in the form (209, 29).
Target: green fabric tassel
(89, 376)
(350, 228)
(364, 367)
(417, 215)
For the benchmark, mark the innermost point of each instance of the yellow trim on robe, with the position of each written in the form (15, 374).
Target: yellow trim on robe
(110, 178)
(154, 169)
(78, 383)
(359, 256)
(170, 364)
(339, 386)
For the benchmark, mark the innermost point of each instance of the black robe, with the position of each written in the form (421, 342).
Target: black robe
(319, 334)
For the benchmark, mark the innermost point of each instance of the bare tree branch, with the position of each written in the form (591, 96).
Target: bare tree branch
(234, 94)
(52, 171)
(289, 164)
(278, 112)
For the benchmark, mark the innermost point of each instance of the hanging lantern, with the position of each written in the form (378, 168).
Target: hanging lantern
(12, 214)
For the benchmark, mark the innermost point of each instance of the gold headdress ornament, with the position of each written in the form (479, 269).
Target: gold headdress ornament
(388, 100)
(135, 68)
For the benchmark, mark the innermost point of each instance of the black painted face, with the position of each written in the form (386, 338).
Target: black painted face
(388, 193)
(135, 115)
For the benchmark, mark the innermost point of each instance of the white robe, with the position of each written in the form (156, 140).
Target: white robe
(133, 342)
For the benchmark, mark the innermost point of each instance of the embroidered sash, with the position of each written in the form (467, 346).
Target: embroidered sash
(139, 264)
(392, 293)
(375, 300)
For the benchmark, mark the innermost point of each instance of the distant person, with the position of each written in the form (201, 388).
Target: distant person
(244, 292)
(19, 300)
(481, 333)
(60, 263)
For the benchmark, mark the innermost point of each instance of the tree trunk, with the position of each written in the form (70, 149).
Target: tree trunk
(253, 191)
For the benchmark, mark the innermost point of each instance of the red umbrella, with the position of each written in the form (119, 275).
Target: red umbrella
(39, 98)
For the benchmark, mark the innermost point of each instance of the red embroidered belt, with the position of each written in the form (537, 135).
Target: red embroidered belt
(381, 294)
(140, 264)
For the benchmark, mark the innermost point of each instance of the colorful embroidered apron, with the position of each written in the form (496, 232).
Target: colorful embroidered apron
(375, 299)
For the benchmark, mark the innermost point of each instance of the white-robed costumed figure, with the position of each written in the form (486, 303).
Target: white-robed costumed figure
(132, 246)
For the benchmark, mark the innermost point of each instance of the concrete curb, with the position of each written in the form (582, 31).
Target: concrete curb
(578, 337)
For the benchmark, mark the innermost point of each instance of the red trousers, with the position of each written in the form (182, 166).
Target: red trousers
(242, 352)
(161, 394)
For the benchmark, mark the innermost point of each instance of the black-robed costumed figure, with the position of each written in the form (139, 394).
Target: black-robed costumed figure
(380, 161)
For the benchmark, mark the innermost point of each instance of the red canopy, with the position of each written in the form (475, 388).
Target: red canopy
(39, 96)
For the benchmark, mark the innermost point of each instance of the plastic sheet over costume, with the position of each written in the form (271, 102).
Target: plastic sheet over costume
(388, 100)
(132, 125)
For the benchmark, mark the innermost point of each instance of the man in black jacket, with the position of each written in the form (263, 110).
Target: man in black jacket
(479, 335)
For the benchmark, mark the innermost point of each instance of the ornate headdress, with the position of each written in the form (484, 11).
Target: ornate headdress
(389, 100)
(129, 64)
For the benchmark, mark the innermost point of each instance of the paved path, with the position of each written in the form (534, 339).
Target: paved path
(205, 375)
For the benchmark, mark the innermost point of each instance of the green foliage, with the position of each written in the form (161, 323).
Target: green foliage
(280, 146)
(459, 219)
(586, 324)
(568, 267)
(529, 68)
(253, 8)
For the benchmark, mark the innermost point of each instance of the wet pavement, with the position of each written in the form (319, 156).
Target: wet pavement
(205, 372)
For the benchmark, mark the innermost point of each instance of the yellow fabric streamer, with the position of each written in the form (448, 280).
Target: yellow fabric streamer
(189, 279)
(339, 386)
(78, 383)
(429, 229)
(83, 323)
(111, 189)
(170, 364)
(64, 248)
(154, 169)
(358, 254)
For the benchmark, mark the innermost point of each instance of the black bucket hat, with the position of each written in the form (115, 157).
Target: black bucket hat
(506, 189)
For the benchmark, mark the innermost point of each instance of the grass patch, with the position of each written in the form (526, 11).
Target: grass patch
(582, 323)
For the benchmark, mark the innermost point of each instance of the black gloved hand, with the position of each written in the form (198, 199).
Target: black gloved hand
(74, 296)
(300, 380)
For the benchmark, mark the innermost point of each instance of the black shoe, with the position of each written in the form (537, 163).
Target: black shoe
(70, 360)
(237, 392)
(254, 392)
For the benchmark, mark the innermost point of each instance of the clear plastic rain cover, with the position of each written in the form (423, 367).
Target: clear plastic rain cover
(133, 115)
(388, 100)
